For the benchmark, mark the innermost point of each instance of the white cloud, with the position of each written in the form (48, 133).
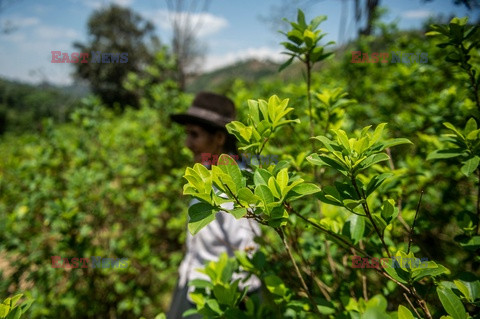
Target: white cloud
(47, 32)
(261, 53)
(16, 37)
(12, 24)
(25, 21)
(416, 14)
(96, 4)
(204, 23)
(124, 3)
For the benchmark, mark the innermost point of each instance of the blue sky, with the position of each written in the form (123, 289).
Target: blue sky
(231, 30)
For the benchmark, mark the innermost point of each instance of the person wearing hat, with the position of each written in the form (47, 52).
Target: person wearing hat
(204, 123)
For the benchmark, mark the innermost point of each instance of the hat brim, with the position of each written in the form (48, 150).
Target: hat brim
(191, 119)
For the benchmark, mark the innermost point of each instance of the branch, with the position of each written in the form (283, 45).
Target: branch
(414, 220)
(369, 215)
(310, 297)
(326, 231)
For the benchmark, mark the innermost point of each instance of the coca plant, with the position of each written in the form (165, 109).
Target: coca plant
(283, 199)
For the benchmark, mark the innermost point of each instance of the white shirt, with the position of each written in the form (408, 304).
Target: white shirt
(224, 234)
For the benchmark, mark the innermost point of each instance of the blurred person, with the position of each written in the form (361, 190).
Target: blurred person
(204, 123)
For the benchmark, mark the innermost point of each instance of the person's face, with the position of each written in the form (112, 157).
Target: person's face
(200, 141)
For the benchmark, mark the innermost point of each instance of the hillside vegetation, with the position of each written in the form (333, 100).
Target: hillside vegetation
(377, 161)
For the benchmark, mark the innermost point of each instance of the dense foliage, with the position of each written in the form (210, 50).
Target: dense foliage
(378, 160)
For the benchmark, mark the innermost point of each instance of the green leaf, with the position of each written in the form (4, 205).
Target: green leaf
(470, 166)
(213, 305)
(261, 177)
(282, 179)
(343, 139)
(275, 285)
(322, 160)
(15, 299)
(285, 64)
(397, 273)
(221, 179)
(388, 209)
(471, 243)
(224, 295)
(329, 144)
(309, 37)
(280, 165)
(301, 19)
(295, 36)
(464, 289)
(198, 299)
(302, 190)
(274, 187)
(253, 111)
(451, 303)
(377, 134)
(376, 181)
(404, 313)
(447, 153)
(473, 135)
(228, 165)
(265, 194)
(357, 227)
(263, 105)
(453, 128)
(200, 283)
(200, 214)
(317, 20)
(4, 310)
(238, 212)
(246, 196)
(432, 269)
(15, 313)
(395, 142)
(373, 159)
(352, 203)
(472, 286)
(186, 314)
(470, 126)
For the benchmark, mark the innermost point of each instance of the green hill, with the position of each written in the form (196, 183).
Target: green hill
(249, 71)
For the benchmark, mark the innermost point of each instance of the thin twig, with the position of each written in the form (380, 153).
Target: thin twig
(249, 213)
(411, 290)
(410, 239)
(324, 230)
(411, 305)
(478, 202)
(310, 297)
(364, 278)
(320, 284)
(330, 259)
(369, 215)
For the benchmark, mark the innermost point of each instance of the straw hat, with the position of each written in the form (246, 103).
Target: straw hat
(209, 109)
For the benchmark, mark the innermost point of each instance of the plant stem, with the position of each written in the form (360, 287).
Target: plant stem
(411, 305)
(312, 301)
(364, 278)
(309, 98)
(413, 224)
(470, 75)
(369, 215)
(478, 202)
(411, 291)
(324, 230)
